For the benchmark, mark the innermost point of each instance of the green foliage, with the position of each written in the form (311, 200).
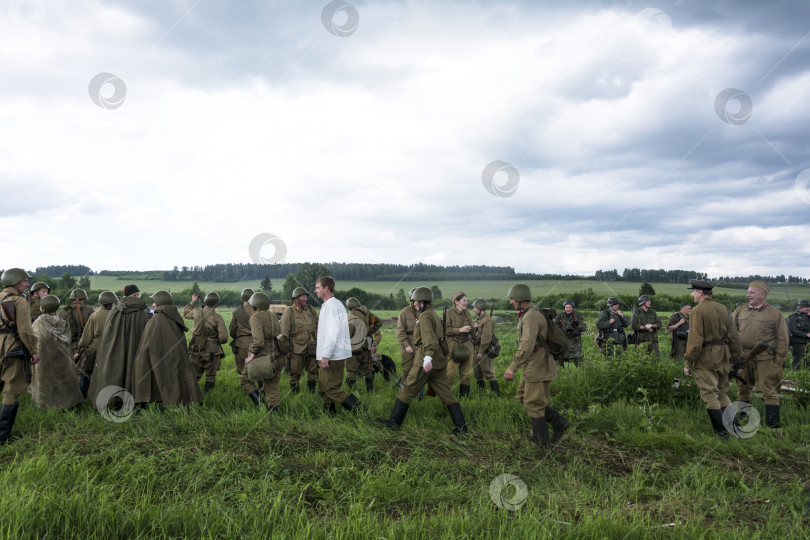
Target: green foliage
(308, 274)
(290, 283)
(267, 285)
(646, 289)
(437, 294)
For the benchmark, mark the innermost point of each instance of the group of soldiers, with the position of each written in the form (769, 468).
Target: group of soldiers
(143, 351)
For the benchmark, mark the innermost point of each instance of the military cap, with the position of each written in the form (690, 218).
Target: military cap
(568, 303)
(129, 290)
(39, 285)
(107, 297)
(422, 294)
(260, 301)
(612, 301)
(299, 291)
(520, 292)
(246, 294)
(352, 303)
(643, 299)
(458, 295)
(78, 294)
(12, 276)
(480, 303)
(49, 303)
(700, 285)
(211, 299)
(162, 298)
(761, 285)
(802, 303)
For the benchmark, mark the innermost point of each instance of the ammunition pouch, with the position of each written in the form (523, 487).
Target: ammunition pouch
(444, 346)
(284, 345)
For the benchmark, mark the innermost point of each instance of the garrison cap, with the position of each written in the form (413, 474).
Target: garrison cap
(761, 285)
(700, 285)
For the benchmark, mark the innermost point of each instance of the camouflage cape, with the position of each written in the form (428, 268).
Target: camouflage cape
(162, 371)
(53, 382)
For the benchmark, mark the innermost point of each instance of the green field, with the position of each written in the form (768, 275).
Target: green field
(640, 461)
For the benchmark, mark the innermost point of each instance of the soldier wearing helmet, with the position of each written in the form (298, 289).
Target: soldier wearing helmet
(799, 333)
(38, 290)
(239, 330)
(646, 323)
(406, 324)
(679, 326)
(264, 330)
(429, 367)
(77, 314)
(459, 338)
(360, 361)
(573, 324)
(611, 323)
(483, 334)
(299, 323)
(16, 336)
(91, 338)
(208, 334)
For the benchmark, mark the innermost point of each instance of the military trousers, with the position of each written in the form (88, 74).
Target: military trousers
(269, 386)
(239, 355)
(12, 379)
(767, 375)
(483, 368)
(407, 363)
(534, 396)
(713, 385)
(799, 355)
(330, 382)
(465, 368)
(302, 363)
(418, 377)
(678, 350)
(206, 364)
(359, 363)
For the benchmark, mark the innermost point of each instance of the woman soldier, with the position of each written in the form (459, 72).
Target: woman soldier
(459, 329)
(264, 328)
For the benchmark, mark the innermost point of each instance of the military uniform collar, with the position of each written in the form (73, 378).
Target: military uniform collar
(760, 308)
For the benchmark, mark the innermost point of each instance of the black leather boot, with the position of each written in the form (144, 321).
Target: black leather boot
(369, 384)
(353, 404)
(294, 388)
(208, 386)
(481, 385)
(460, 425)
(464, 391)
(84, 385)
(329, 408)
(772, 416)
(257, 400)
(397, 415)
(716, 417)
(558, 423)
(540, 432)
(311, 386)
(493, 385)
(7, 416)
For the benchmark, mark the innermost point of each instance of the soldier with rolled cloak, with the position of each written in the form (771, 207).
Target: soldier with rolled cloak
(208, 334)
(91, 338)
(239, 330)
(459, 338)
(299, 324)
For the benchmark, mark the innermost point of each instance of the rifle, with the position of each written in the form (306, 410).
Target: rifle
(737, 368)
(10, 311)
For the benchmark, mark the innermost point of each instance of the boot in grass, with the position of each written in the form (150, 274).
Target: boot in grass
(540, 432)
(397, 415)
(294, 388)
(7, 416)
(330, 409)
(257, 400)
(464, 391)
(558, 423)
(369, 384)
(353, 404)
(460, 425)
(311, 386)
(493, 385)
(481, 385)
(772, 416)
(716, 417)
(209, 385)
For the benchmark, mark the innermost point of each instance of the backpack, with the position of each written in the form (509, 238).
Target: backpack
(358, 329)
(556, 342)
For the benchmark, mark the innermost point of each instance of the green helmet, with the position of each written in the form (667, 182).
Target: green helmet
(801, 304)
(211, 299)
(260, 301)
(299, 291)
(78, 294)
(246, 294)
(422, 294)
(107, 297)
(612, 301)
(162, 298)
(352, 303)
(480, 303)
(12, 276)
(410, 294)
(39, 285)
(568, 303)
(643, 299)
(520, 292)
(49, 304)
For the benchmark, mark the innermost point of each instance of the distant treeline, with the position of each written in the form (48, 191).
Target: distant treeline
(229, 273)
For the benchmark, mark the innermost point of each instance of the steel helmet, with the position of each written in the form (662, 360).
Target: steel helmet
(246, 294)
(107, 297)
(520, 292)
(162, 298)
(211, 299)
(260, 301)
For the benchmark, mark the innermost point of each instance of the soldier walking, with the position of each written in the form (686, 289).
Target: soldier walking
(299, 323)
(208, 334)
(239, 330)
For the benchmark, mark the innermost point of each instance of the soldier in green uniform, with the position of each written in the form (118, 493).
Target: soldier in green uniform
(573, 324)
(712, 344)
(239, 330)
(483, 333)
(38, 290)
(16, 336)
(208, 334)
(646, 325)
(429, 367)
(91, 338)
(406, 325)
(799, 331)
(264, 331)
(611, 324)
(539, 368)
(299, 324)
(361, 353)
(759, 322)
(459, 338)
(77, 314)
(679, 327)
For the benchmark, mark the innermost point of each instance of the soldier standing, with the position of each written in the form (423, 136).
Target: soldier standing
(406, 324)
(759, 322)
(208, 334)
(799, 330)
(429, 367)
(679, 327)
(539, 368)
(18, 344)
(264, 331)
(573, 324)
(77, 314)
(361, 357)
(239, 330)
(459, 338)
(646, 325)
(712, 344)
(299, 323)
(91, 337)
(38, 290)
(483, 333)
(611, 324)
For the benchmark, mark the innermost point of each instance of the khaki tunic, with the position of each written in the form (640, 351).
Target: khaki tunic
(208, 333)
(264, 329)
(303, 325)
(539, 366)
(764, 324)
(485, 331)
(12, 370)
(427, 333)
(239, 330)
(406, 325)
(455, 320)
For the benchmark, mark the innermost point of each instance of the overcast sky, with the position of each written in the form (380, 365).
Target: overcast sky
(547, 136)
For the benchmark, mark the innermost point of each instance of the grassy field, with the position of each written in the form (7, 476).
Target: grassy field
(639, 462)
